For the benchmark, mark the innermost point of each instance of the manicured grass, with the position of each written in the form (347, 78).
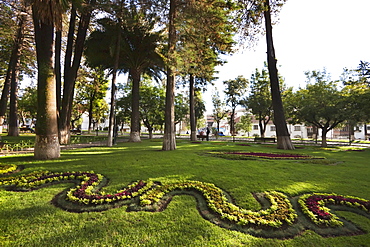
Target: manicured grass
(29, 219)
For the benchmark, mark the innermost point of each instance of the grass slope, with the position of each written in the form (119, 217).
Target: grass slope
(29, 219)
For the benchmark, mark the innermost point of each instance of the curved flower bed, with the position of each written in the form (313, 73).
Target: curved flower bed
(313, 205)
(5, 169)
(83, 193)
(279, 213)
(272, 155)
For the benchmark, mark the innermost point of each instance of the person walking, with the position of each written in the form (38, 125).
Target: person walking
(208, 131)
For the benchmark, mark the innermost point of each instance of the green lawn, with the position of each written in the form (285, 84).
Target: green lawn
(29, 219)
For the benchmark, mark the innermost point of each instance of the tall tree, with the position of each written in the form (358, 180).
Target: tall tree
(13, 71)
(75, 47)
(104, 49)
(45, 14)
(205, 32)
(252, 14)
(139, 54)
(140, 46)
(234, 92)
(169, 138)
(283, 136)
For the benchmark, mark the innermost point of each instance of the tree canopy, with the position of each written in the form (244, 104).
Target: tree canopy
(320, 104)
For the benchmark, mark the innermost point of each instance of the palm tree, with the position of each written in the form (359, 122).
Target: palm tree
(45, 14)
(138, 53)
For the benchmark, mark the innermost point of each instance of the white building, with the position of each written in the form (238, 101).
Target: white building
(297, 131)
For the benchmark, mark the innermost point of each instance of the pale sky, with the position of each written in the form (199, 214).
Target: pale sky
(311, 35)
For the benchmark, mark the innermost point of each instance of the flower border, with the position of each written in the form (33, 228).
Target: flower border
(274, 155)
(5, 169)
(281, 210)
(314, 206)
(150, 194)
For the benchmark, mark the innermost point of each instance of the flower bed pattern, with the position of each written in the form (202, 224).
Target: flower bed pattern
(272, 155)
(280, 212)
(313, 205)
(5, 169)
(277, 215)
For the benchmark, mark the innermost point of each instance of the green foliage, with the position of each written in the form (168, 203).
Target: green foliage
(234, 93)
(245, 124)
(199, 107)
(320, 104)
(7, 27)
(138, 43)
(91, 90)
(8, 30)
(152, 101)
(357, 90)
(235, 90)
(181, 108)
(219, 110)
(205, 30)
(27, 103)
(250, 16)
(259, 102)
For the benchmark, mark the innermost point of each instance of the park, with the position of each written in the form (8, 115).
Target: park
(105, 138)
(215, 193)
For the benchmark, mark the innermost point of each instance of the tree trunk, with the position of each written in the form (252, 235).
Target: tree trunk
(13, 127)
(11, 80)
(283, 136)
(365, 131)
(218, 130)
(323, 138)
(47, 143)
(193, 127)
(150, 133)
(169, 138)
(5, 96)
(262, 128)
(351, 133)
(135, 104)
(112, 113)
(58, 72)
(71, 69)
(90, 114)
(232, 123)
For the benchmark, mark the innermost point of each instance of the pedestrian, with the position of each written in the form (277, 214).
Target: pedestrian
(208, 131)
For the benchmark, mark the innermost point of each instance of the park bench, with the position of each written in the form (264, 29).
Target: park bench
(201, 137)
(264, 139)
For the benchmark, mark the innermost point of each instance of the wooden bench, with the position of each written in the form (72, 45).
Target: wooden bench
(264, 139)
(201, 137)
